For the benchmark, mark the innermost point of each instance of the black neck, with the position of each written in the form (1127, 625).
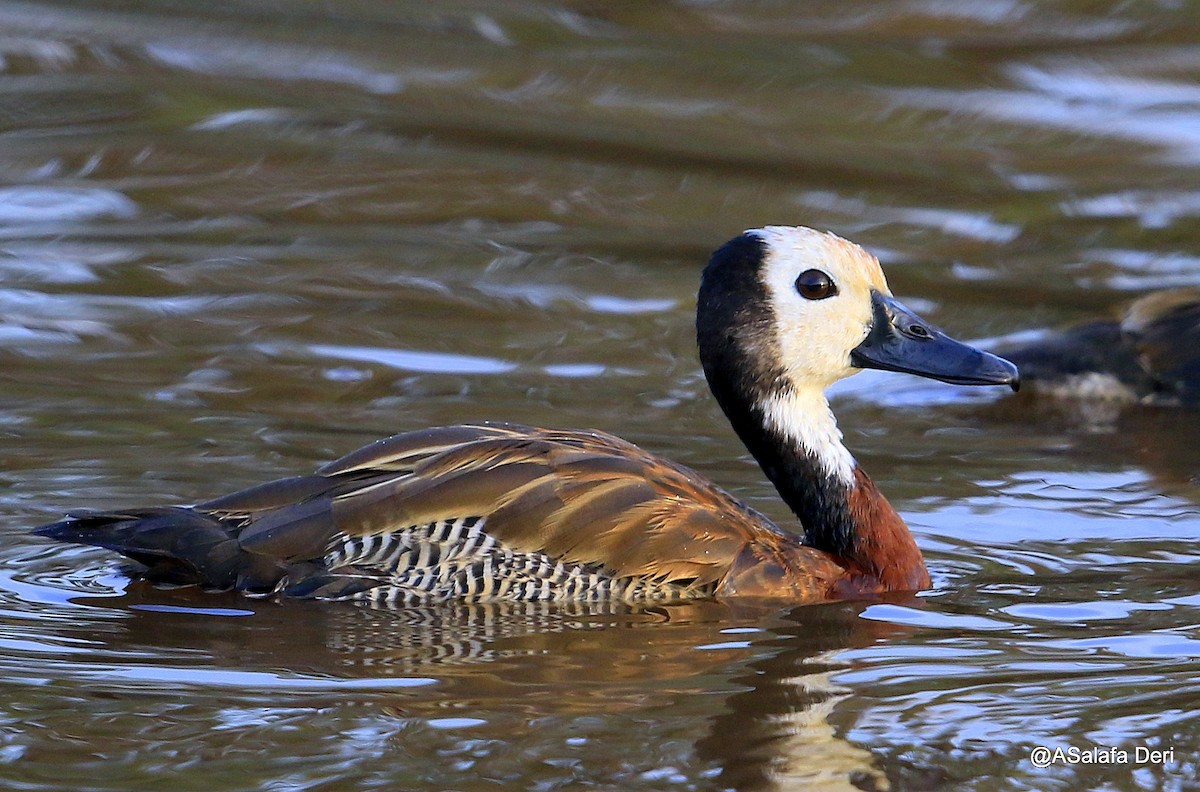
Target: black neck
(819, 499)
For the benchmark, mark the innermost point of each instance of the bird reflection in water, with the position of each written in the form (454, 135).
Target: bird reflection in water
(775, 667)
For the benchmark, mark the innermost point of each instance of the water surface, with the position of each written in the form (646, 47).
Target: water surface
(239, 240)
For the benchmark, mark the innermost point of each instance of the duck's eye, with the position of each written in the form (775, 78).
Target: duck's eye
(815, 285)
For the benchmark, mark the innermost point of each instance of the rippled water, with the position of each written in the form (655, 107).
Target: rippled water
(238, 240)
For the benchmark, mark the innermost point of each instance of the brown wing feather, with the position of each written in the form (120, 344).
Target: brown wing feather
(402, 451)
(637, 514)
(782, 568)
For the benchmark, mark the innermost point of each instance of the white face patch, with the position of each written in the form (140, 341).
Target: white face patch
(815, 337)
(804, 417)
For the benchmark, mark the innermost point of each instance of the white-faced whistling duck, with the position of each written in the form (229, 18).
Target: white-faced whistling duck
(500, 511)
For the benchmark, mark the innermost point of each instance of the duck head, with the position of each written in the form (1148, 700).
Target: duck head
(792, 309)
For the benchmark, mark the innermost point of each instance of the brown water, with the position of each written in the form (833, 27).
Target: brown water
(239, 239)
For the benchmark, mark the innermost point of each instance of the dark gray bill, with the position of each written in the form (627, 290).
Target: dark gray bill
(902, 341)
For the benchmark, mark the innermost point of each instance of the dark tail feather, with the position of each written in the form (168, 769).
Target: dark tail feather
(177, 545)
